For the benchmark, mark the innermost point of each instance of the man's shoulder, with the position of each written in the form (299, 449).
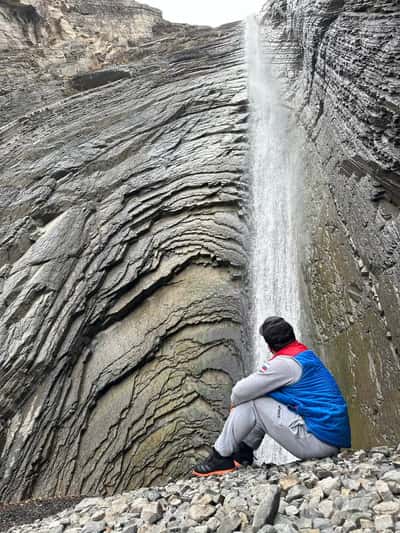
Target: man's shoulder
(280, 362)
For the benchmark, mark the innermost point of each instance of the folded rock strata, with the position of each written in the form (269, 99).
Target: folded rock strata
(123, 248)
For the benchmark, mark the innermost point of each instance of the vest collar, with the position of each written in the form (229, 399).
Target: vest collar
(292, 349)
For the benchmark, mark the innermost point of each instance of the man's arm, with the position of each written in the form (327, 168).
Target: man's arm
(272, 375)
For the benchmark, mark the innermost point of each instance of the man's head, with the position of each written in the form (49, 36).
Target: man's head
(277, 332)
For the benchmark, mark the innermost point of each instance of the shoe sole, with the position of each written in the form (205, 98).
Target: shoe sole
(213, 473)
(240, 465)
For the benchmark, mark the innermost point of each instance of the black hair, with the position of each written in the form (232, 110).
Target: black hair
(277, 332)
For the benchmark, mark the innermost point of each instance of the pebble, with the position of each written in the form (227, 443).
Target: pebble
(94, 527)
(152, 512)
(199, 529)
(383, 522)
(383, 490)
(232, 523)
(213, 524)
(326, 508)
(285, 528)
(266, 511)
(199, 512)
(98, 515)
(298, 491)
(57, 529)
(354, 492)
(266, 529)
(328, 484)
(288, 482)
(391, 507)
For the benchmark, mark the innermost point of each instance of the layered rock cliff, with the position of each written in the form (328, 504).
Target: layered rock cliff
(122, 247)
(338, 63)
(45, 43)
(124, 231)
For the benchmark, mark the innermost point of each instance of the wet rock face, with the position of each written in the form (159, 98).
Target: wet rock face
(123, 248)
(339, 65)
(45, 43)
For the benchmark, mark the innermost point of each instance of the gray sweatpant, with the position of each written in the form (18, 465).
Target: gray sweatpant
(250, 421)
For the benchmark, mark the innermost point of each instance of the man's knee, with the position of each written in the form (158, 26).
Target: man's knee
(265, 404)
(245, 407)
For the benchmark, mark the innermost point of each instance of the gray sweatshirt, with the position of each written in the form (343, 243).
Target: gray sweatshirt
(280, 371)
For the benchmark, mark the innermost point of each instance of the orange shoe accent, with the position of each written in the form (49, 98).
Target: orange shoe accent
(237, 464)
(214, 472)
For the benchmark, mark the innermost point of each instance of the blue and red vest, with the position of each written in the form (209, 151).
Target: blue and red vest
(316, 397)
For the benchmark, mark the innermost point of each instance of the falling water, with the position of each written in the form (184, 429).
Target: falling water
(276, 185)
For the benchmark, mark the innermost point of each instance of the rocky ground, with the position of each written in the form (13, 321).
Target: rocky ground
(358, 491)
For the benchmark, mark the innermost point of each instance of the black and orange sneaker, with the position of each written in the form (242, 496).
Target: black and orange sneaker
(244, 456)
(214, 465)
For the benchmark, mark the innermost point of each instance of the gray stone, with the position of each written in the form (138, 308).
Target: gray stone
(199, 512)
(339, 517)
(267, 529)
(383, 490)
(267, 509)
(152, 512)
(365, 524)
(198, 529)
(119, 507)
(326, 507)
(288, 482)
(213, 523)
(130, 529)
(388, 507)
(354, 484)
(348, 526)
(152, 495)
(361, 515)
(94, 527)
(323, 473)
(230, 524)
(56, 529)
(298, 491)
(384, 450)
(392, 475)
(292, 510)
(322, 523)
(357, 504)
(328, 484)
(98, 515)
(304, 523)
(87, 503)
(136, 506)
(285, 528)
(383, 522)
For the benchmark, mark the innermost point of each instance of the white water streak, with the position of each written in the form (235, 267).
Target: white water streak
(276, 184)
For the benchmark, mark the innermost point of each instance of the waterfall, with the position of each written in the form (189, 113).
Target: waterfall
(275, 174)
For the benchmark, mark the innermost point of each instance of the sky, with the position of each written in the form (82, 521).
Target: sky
(207, 12)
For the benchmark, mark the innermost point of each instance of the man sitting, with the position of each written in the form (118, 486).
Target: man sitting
(293, 398)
